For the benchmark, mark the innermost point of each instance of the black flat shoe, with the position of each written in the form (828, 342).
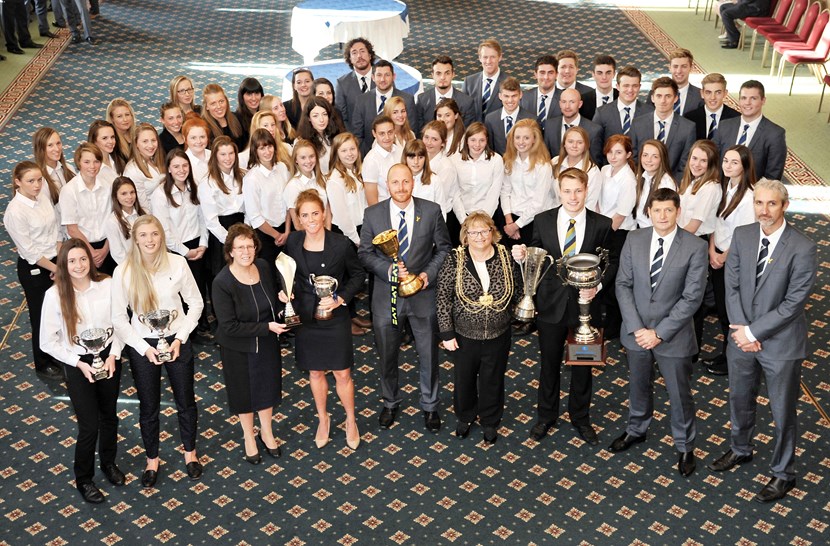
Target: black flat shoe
(729, 45)
(276, 453)
(114, 474)
(432, 421)
(148, 478)
(775, 489)
(90, 493)
(387, 417)
(77, 39)
(587, 433)
(717, 367)
(728, 460)
(51, 371)
(624, 441)
(462, 429)
(686, 464)
(15, 50)
(194, 470)
(540, 430)
(59, 25)
(490, 435)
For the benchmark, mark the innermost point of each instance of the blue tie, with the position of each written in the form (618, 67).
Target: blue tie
(661, 134)
(713, 127)
(762, 258)
(488, 89)
(543, 111)
(509, 120)
(627, 121)
(657, 264)
(605, 99)
(677, 105)
(382, 103)
(403, 237)
(742, 140)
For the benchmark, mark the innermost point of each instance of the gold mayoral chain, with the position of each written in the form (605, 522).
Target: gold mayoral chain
(485, 302)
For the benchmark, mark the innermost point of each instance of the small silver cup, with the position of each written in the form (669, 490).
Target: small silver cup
(158, 321)
(323, 286)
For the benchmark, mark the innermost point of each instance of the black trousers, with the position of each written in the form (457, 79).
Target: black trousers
(200, 274)
(35, 282)
(552, 338)
(95, 410)
(719, 287)
(479, 379)
(15, 23)
(269, 250)
(147, 378)
(109, 264)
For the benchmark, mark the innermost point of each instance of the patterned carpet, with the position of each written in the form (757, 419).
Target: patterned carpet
(402, 486)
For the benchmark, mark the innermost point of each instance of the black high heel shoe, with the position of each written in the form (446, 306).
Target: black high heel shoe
(256, 458)
(276, 453)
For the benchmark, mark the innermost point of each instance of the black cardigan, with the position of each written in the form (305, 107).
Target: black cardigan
(238, 323)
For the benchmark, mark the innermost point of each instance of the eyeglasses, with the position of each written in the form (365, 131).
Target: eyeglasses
(245, 248)
(185, 91)
(479, 234)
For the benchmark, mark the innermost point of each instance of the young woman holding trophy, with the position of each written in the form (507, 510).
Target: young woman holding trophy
(151, 284)
(76, 329)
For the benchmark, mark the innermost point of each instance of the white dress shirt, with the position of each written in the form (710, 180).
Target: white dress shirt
(750, 132)
(743, 214)
(702, 206)
(683, 92)
(216, 203)
(56, 174)
(395, 217)
(108, 172)
(300, 183)
(514, 117)
(347, 207)
(263, 189)
(181, 224)
(33, 226)
(621, 108)
(563, 222)
(443, 166)
(144, 185)
(642, 218)
(119, 245)
(526, 193)
(666, 122)
(94, 311)
(619, 195)
(376, 166)
(378, 96)
(668, 239)
(88, 208)
(479, 184)
(494, 91)
(434, 191)
(172, 284)
(197, 166)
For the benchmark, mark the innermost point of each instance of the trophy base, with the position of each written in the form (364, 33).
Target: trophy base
(585, 354)
(164, 357)
(99, 375)
(292, 321)
(525, 310)
(410, 285)
(319, 315)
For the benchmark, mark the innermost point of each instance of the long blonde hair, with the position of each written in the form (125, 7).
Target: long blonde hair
(39, 141)
(281, 154)
(125, 140)
(138, 277)
(538, 153)
(158, 158)
(350, 177)
(586, 162)
(404, 132)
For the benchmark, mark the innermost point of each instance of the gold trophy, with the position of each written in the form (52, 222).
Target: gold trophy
(387, 242)
(287, 268)
(585, 346)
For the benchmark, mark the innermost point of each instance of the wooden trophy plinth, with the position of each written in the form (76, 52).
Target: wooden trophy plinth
(585, 354)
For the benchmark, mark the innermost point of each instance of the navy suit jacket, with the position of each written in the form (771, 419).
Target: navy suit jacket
(346, 95)
(768, 145)
(589, 103)
(495, 128)
(473, 87)
(530, 102)
(554, 133)
(426, 108)
(701, 119)
(365, 113)
(679, 143)
(608, 118)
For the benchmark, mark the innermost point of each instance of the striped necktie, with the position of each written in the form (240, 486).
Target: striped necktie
(762, 258)
(488, 89)
(509, 124)
(677, 105)
(713, 127)
(605, 99)
(657, 264)
(626, 127)
(742, 140)
(382, 104)
(543, 111)
(403, 237)
(661, 134)
(570, 239)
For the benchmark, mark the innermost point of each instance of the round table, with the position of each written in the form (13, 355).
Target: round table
(406, 78)
(316, 24)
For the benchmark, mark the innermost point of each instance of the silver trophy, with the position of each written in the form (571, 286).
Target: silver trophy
(287, 268)
(584, 271)
(94, 341)
(323, 286)
(532, 273)
(158, 321)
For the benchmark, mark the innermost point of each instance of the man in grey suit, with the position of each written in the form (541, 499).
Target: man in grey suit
(500, 122)
(483, 86)
(360, 56)
(688, 95)
(570, 105)
(370, 105)
(660, 284)
(770, 273)
(424, 243)
(615, 117)
(676, 132)
(541, 99)
(442, 74)
(765, 139)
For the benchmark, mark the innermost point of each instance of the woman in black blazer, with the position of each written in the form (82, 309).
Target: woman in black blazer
(244, 297)
(323, 345)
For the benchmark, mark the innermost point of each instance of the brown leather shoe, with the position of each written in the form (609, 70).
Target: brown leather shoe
(357, 330)
(362, 322)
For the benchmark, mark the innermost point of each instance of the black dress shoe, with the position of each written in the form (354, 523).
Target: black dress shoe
(91, 40)
(50, 371)
(686, 464)
(587, 433)
(256, 458)
(775, 489)
(31, 45)
(2, 57)
(432, 421)
(276, 453)
(462, 429)
(194, 470)
(729, 45)
(46, 34)
(540, 430)
(76, 39)
(490, 435)
(59, 25)
(524, 328)
(624, 441)
(717, 367)
(387, 417)
(148, 478)
(16, 50)
(114, 474)
(90, 493)
(728, 460)
(407, 339)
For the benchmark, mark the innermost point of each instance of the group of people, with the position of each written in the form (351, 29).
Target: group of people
(190, 220)
(75, 15)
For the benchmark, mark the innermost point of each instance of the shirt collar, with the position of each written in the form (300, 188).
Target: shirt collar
(564, 217)
(19, 197)
(775, 236)
(514, 114)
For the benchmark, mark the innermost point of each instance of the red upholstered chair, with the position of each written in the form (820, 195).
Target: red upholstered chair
(780, 9)
(815, 58)
(780, 46)
(801, 36)
(793, 19)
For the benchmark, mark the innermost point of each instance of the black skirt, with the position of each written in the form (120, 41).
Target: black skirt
(326, 344)
(253, 380)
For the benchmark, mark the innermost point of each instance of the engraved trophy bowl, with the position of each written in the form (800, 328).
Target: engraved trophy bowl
(158, 321)
(583, 270)
(287, 267)
(323, 286)
(94, 340)
(387, 242)
(532, 273)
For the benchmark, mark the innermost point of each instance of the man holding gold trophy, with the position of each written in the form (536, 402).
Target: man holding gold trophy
(403, 242)
(563, 232)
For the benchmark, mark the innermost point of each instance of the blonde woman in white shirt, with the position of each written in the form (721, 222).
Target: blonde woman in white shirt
(395, 108)
(305, 175)
(195, 131)
(48, 151)
(576, 152)
(126, 208)
(102, 133)
(153, 279)
(480, 173)
(81, 299)
(33, 225)
(653, 172)
(146, 165)
(266, 120)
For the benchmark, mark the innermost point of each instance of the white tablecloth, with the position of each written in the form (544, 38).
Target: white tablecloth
(406, 78)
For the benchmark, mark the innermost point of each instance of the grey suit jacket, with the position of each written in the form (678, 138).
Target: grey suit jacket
(473, 86)
(365, 113)
(346, 95)
(772, 307)
(554, 132)
(670, 308)
(429, 245)
(679, 143)
(768, 145)
(495, 128)
(608, 118)
(694, 100)
(426, 108)
(530, 102)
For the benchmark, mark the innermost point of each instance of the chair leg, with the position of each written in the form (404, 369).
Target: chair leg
(772, 63)
(764, 56)
(752, 45)
(821, 100)
(792, 80)
(780, 69)
(741, 39)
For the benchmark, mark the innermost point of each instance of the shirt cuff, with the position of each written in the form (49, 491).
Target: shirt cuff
(749, 336)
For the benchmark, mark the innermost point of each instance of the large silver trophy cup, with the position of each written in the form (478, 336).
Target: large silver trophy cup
(94, 341)
(532, 272)
(323, 286)
(158, 321)
(287, 268)
(585, 346)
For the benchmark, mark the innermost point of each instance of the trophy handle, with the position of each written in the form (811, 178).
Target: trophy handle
(142, 320)
(311, 278)
(336, 286)
(560, 265)
(173, 315)
(77, 341)
(603, 256)
(551, 264)
(109, 331)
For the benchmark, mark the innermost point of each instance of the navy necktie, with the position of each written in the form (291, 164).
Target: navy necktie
(605, 99)
(657, 264)
(742, 140)
(626, 127)
(762, 258)
(677, 105)
(661, 134)
(509, 126)
(382, 104)
(403, 237)
(488, 89)
(713, 127)
(543, 111)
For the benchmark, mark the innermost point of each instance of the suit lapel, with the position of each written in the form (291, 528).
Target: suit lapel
(417, 226)
(772, 260)
(590, 237)
(674, 250)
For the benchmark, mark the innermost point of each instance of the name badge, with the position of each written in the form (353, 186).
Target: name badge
(35, 271)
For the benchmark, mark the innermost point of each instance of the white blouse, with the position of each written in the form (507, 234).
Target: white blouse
(56, 174)
(263, 190)
(299, 183)
(376, 166)
(595, 183)
(119, 245)
(197, 166)
(743, 214)
(144, 185)
(94, 311)
(526, 193)
(642, 218)
(216, 203)
(86, 208)
(172, 284)
(181, 224)
(702, 206)
(445, 169)
(434, 191)
(346, 206)
(619, 195)
(33, 226)
(479, 184)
